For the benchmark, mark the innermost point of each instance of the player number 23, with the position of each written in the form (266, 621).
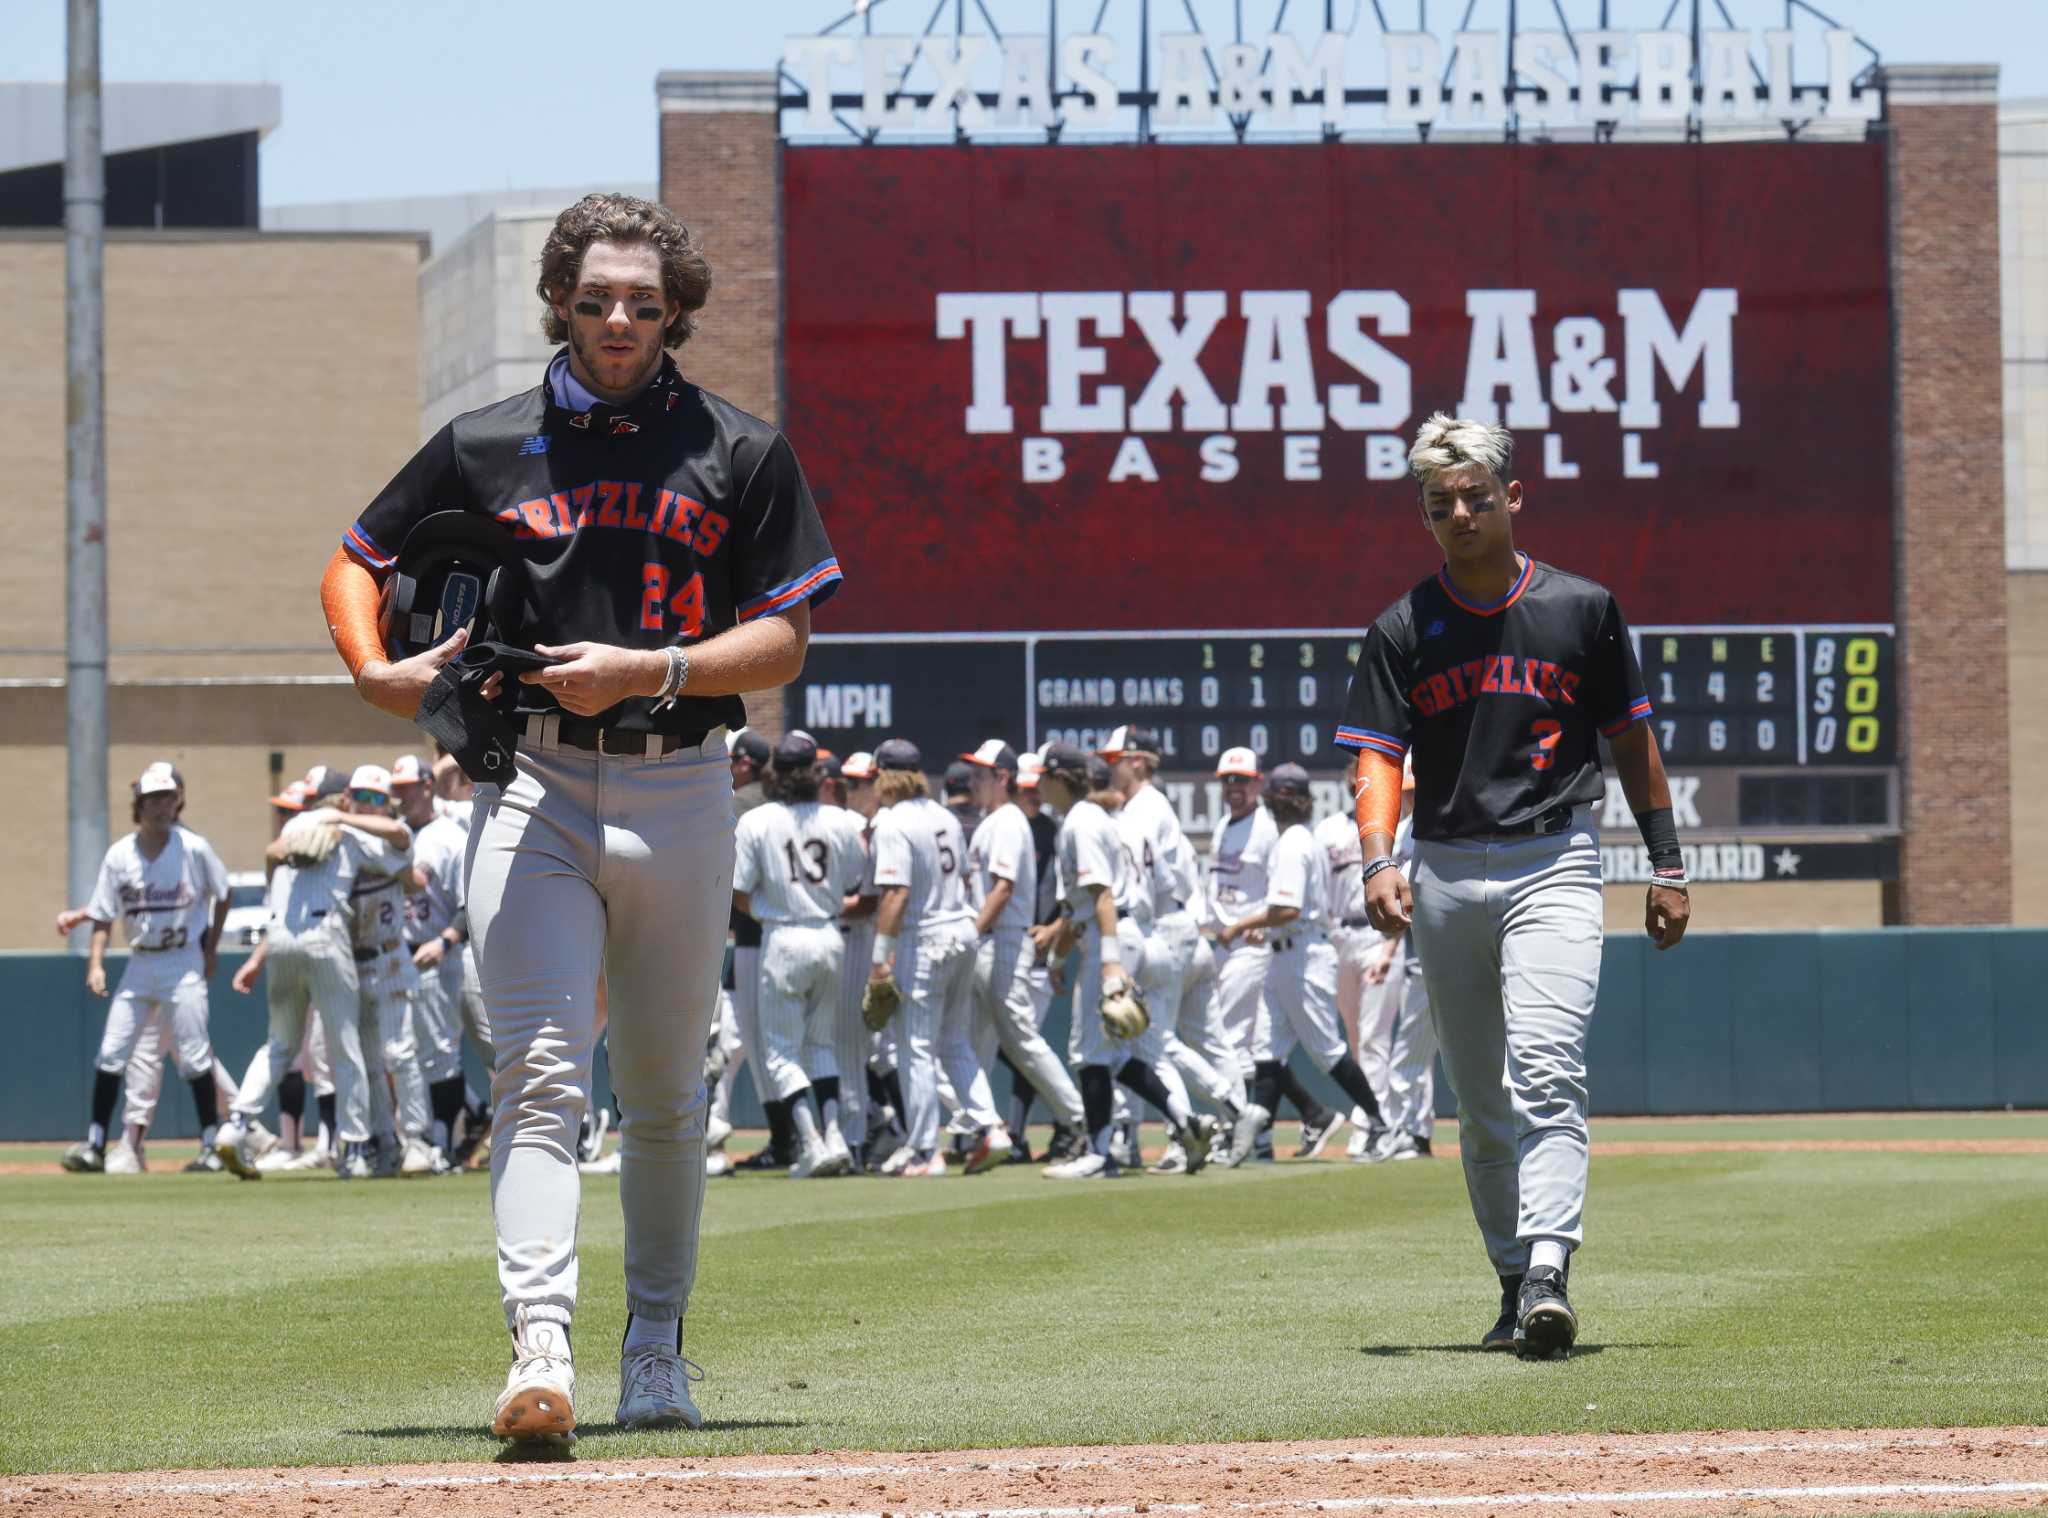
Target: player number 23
(687, 604)
(1546, 731)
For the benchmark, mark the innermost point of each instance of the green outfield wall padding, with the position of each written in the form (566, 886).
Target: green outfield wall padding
(1894, 1019)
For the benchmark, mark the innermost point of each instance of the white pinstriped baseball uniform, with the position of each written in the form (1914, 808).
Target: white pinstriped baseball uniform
(388, 982)
(1238, 858)
(311, 963)
(164, 906)
(1300, 1004)
(1091, 852)
(919, 845)
(1367, 1008)
(852, 1042)
(1006, 1012)
(796, 863)
(1199, 1053)
(437, 1007)
(1411, 1059)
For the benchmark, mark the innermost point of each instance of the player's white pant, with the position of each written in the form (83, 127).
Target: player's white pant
(1199, 1027)
(313, 972)
(726, 1030)
(1095, 1044)
(935, 971)
(1240, 982)
(1193, 1033)
(310, 1062)
(1367, 1009)
(142, 1083)
(852, 1042)
(437, 1019)
(746, 1016)
(1300, 1004)
(1411, 1074)
(387, 983)
(580, 862)
(1006, 1014)
(801, 969)
(1509, 930)
(177, 990)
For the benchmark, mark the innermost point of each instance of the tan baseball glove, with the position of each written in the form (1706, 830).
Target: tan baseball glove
(311, 836)
(1123, 1010)
(879, 1003)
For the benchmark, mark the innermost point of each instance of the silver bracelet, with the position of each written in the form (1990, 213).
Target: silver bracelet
(678, 676)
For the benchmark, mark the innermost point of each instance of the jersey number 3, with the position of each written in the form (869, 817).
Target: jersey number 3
(687, 603)
(1546, 731)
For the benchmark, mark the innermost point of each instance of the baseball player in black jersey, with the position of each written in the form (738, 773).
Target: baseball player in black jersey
(673, 553)
(1502, 674)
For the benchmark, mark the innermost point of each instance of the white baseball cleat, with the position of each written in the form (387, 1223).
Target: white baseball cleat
(1244, 1138)
(417, 1158)
(900, 1161)
(654, 1389)
(284, 1159)
(836, 1146)
(1083, 1167)
(717, 1162)
(931, 1168)
(241, 1143)
(608, 1165)
(123, 1160)
(539, 1397)
(716, 1132)
(990, 1149)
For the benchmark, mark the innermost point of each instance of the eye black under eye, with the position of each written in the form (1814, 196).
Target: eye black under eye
(648, 313)
(589, 308)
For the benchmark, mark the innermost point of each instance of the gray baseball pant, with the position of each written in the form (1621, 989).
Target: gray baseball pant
(1007, 1014)
(852, 1042)
(584, 862)
(1410, 1106)
(1509, 930)
(802, 968)
(314, 971)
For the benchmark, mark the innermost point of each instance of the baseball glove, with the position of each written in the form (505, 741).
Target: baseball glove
(879, 1003)
(311, 836)
(1123, 1011)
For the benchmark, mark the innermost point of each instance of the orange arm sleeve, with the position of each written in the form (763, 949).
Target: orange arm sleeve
(349, 595)
(1376, 788)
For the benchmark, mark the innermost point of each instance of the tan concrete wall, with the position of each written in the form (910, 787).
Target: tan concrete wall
(2026, 599)
(1759, 908)
(259, 391)
(220, 738)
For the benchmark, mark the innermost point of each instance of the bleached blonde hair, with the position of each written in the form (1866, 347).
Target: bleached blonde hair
(1450, 442)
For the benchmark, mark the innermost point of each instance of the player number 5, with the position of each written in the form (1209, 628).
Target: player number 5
(1546, 731)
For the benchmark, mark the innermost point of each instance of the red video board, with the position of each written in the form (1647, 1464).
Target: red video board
(1148, 387)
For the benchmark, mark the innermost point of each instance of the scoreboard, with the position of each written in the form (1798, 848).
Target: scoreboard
(1795, 726)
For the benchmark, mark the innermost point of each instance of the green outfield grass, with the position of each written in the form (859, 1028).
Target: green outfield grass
(195, 1321)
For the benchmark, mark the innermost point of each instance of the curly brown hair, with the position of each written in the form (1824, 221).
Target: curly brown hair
(685, 272)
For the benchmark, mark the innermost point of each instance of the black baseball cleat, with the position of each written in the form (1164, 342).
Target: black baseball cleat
(1545, 1324)
(1315, 1137)
(1502, 1334)
(1067, 1144)
(762, 1159)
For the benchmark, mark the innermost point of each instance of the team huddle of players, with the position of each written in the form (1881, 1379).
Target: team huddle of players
(976, 910)
(370, 991)
(968, 914)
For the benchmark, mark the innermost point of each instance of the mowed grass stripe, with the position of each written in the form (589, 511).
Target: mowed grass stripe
(273, 1324)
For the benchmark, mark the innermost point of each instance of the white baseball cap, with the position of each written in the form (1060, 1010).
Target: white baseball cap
(407, 769)
(1029, 767)
(994, 754)
(157, 779)
(370, 777)
(858, 765)
(1241, 763)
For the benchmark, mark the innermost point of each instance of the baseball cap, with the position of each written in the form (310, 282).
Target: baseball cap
(1287, 780)
(994, 754)
(1099, 778)
(157, 779)
(1067, 759)
(747, 744)
(898, 754)
(858, 765)
(1130, 740)
(409, 769)
(1241, 762)
(959, 778)
(293, 797)
(796, 750)
(1029, 768)
(324, 781)
(830, 766)
(370, 777)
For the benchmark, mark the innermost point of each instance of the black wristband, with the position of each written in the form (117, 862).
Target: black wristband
(1660, 836)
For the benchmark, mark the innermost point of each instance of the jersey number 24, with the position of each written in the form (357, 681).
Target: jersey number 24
(687, 603)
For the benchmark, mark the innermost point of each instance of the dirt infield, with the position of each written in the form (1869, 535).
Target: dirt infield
(1892, 1470)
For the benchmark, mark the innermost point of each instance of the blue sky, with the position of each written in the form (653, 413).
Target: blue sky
(421, 97)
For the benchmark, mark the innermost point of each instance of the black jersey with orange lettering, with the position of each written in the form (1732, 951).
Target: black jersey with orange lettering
(1504, 703)
(666, 519)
